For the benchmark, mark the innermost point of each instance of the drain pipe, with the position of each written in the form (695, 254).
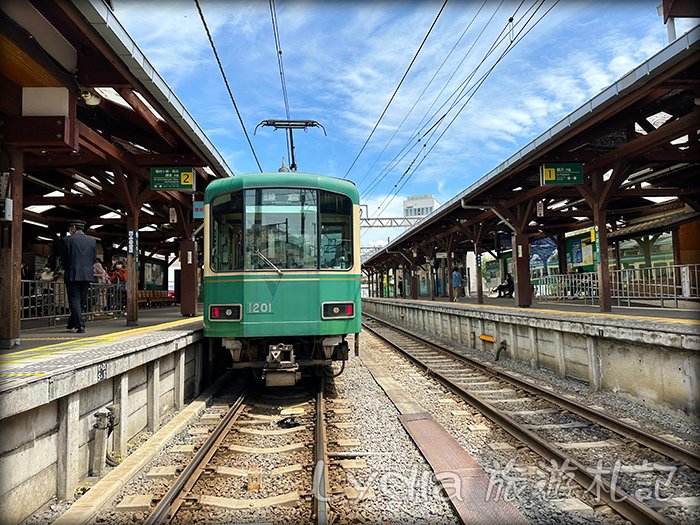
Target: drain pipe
(99, 444)
(501, 347)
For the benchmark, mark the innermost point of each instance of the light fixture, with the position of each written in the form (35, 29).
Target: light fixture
(90, 98)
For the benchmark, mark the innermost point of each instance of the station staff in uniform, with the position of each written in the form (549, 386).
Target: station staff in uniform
(79, 258)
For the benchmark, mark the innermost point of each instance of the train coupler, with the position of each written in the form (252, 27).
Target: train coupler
(281, 368)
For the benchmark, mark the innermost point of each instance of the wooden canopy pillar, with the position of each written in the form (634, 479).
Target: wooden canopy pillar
(188, 264)
(479, 277)
(129, 193)
(521, 262)
(561, 253)
(414, 273)
(597, 195)
(11, 249)
(601, 235)
(188, 277)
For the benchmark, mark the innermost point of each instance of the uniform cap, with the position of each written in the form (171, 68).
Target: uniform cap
(78, 223)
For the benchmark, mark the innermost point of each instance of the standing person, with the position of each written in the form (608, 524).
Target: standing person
(80, 256)
(99, 271)
(456, 283)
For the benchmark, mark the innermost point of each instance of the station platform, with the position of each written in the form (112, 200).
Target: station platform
(577, 308)
(48, 355)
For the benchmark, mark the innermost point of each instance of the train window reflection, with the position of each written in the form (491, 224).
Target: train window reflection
(227, 233)
(336, 231)
(281, 228)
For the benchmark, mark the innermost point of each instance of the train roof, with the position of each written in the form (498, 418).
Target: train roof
(281, 180)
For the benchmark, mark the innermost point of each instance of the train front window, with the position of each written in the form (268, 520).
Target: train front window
(227, 233)
(336, 231)
(281, 226)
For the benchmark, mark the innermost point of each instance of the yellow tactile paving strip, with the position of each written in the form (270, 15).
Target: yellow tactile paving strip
(599, 315)
(81, 343)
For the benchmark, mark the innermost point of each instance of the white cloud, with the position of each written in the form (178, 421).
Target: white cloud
(343, 61)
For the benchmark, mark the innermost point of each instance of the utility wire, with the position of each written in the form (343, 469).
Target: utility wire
(280, 65)
(509, 48)
(417, 130)
(415, 56)
(423, 92)
(228, 88)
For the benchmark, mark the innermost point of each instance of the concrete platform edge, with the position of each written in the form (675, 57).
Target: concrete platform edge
(89, 505)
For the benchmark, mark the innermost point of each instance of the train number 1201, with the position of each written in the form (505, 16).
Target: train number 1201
(259, 308)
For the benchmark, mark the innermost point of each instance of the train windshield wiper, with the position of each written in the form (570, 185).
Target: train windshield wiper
(269, 262)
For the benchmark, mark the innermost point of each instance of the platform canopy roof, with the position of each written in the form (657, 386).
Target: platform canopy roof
(638, 145)
(92, 116)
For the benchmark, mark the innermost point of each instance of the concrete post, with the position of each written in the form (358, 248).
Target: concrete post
(460, 337)
(179, 378)
(198, 365)
(470, 331)
(482, 329)
(534, 349)
(68, 440)
(594, 371)
(121, 398)
(514, 341)
(153, 399)
(559, 353)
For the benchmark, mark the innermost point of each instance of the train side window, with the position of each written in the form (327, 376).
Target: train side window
(336, 231)
(227, 233)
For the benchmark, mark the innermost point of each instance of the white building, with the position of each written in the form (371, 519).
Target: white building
(419, 205)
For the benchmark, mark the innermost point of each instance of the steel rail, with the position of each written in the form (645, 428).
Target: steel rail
(168, 506)
(320, 477)
(656, 443)
(624, 504)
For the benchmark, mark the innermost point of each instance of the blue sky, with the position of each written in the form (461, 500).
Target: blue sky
(344, 59)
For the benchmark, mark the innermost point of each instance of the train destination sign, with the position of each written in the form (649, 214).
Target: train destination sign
(177, 178)
(561, 174)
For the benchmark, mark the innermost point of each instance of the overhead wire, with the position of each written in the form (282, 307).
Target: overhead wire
(228, 87)
(428, 84)
(510, 46)
(410, 144)
(280, 66)
(415, 56)
(459, 91)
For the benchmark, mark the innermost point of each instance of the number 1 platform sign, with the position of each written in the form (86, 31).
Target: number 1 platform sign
(179, 179)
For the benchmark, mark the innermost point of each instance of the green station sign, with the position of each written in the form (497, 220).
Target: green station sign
(180, 179)
(561, 174)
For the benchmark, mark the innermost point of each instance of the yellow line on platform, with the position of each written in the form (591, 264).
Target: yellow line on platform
(82, 342)
(22, 374)
(571, 312)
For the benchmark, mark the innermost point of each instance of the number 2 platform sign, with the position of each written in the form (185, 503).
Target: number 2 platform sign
(179, 179)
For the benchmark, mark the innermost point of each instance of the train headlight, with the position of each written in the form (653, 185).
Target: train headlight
(225, 312)
(338, 311)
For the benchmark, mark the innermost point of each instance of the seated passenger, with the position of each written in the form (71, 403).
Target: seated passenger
(506, 288)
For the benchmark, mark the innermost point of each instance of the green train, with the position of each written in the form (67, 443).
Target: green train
(281, 280)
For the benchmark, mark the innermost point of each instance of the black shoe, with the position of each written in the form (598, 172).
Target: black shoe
(80, 330)
(70, 328)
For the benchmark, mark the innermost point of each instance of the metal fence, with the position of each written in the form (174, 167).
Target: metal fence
(49, 300)
(674, 286)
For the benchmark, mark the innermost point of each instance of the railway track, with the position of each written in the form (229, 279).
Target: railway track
(562, 431)
(230, 475)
